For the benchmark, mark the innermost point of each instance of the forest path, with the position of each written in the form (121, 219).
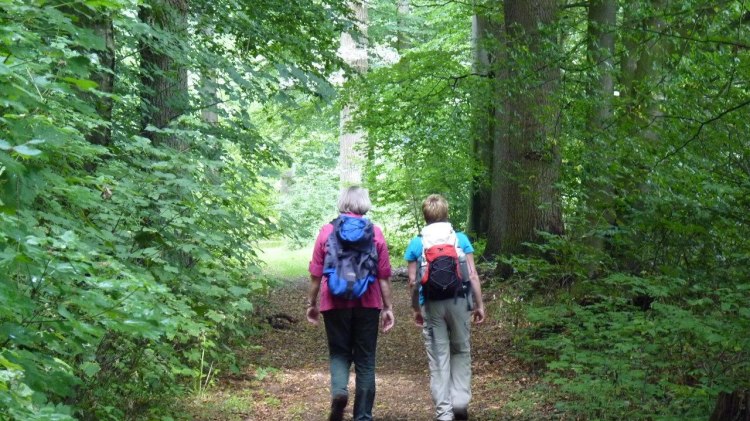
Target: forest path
(286, 375)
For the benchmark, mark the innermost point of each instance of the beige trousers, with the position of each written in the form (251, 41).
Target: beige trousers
(446, 336)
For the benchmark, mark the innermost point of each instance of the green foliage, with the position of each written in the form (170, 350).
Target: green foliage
(132, 265)
(613, 359)
(416, 116)
(308, 188)
(634, 313)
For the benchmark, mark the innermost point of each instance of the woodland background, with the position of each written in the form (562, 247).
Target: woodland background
(598, 154)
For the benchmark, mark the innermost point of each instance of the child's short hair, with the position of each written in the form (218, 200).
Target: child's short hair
(435, 209)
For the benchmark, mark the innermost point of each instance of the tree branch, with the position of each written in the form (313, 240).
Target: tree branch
(698, 131)
(574, 5)
(701, 40)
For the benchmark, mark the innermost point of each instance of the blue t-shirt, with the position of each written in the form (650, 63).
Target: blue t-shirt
(414, 252)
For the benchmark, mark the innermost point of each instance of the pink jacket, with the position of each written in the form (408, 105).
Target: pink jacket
(373, 297)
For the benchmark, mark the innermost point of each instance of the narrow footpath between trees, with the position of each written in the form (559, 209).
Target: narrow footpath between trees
(286, 374)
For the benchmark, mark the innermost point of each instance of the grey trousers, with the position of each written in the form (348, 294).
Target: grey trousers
(446, 336)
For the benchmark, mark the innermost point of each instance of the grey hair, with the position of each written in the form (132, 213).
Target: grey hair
(354, 199)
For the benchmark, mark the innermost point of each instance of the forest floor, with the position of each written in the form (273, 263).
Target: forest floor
(286, 370)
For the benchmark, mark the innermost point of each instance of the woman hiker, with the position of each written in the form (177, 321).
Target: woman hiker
(350, 286)
(446, 294)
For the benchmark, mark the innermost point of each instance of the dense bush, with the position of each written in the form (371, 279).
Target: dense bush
(128, 264)
(655, 333)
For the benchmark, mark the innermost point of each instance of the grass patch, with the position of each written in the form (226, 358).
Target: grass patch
(284, 261)
(220, 405)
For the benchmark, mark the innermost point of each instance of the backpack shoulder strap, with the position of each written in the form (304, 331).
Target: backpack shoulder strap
(333, 245)
(459, 249)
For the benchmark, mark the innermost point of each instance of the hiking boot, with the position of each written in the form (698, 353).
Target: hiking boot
(460, 413)
(338, 404)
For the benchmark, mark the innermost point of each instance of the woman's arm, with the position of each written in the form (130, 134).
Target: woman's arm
(476, 288)
(387, 315)
(313, 310)
(384, 278)
(411, 271)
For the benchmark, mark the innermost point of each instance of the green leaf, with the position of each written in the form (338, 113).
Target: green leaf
(90, 368)
(83, 84)
(9, 365)
(26, 150)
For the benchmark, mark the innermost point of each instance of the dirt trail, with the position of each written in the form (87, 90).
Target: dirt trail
(287, 377)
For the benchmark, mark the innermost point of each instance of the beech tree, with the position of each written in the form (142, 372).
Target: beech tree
(526, 156)
(354, 52)
(487, 48)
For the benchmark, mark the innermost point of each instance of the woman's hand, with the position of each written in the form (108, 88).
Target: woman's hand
(478, 315)
(387, 319)
(313, 314)
(418, 318)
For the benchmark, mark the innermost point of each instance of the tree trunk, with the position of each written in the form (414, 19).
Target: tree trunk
(526, 166)
(642, 64)
(601, 50)
(164, 77)
(483, 33)
(643, 57)
(105, 78)
(733, 406)
(602, 15)
(208, 90)
(404, 10)
(354, 53)
(210, 98)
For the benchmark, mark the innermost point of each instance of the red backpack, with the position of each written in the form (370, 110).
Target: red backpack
(441, 274)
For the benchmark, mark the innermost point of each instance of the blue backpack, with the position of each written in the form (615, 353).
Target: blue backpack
(351, 260)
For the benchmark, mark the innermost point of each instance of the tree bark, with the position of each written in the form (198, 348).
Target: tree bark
(404, 10)
(484, 34)
(164, 74)
(526, 167)
(643, 56)
(733, 406)
(602, 16)
(354, 53)
(105, 78)
(209, 113)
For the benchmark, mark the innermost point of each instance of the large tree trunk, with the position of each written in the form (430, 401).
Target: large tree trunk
(164, 77)
(484, 34)
(354, 53)
(526, 166)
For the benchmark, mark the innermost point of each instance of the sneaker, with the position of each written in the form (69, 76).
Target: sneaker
(460, 413)
(338, 404)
